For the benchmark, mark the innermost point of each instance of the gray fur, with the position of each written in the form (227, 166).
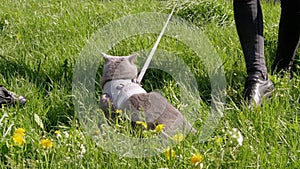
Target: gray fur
(121, 91)
(118, 67)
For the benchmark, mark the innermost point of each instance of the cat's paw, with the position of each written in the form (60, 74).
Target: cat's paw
(107, 106)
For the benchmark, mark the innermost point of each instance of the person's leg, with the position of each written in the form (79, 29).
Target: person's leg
(288, 35)
(249, 24)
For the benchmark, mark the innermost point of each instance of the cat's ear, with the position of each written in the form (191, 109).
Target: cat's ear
(105, 56)
(132, 57)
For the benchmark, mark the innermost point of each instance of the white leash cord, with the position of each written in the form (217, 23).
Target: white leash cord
(142, 73)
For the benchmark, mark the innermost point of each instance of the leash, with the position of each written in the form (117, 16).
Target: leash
(145, 67)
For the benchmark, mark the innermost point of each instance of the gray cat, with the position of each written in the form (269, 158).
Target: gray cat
(122, 92)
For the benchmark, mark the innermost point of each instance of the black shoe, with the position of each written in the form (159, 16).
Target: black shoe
(9, 98)
(256, 88)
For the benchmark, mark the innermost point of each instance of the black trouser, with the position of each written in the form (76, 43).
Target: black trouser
(249, 23)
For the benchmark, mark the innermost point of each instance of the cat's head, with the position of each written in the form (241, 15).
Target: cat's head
(118, 67)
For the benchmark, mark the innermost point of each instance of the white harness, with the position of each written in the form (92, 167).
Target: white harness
(120, 90)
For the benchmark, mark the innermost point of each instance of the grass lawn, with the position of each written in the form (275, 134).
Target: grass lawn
(42, 41)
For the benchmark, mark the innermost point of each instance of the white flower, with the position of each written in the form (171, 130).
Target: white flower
(201, 165)
(66, 134)
(236, 134)
(83, 150)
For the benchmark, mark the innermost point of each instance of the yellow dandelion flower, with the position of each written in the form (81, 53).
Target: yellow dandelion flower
(178, 137)
(96, 132)
(18, 139)
(20, 131)
(219, 140)
(119, 111)
(196, 158)
(57, 133)
(159, 128)
(142, 124)
(170, 153)
(46, 143)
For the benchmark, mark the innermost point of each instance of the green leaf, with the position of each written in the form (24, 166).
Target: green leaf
(38, 120)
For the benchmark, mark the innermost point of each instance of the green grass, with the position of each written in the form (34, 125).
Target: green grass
(41, 41)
